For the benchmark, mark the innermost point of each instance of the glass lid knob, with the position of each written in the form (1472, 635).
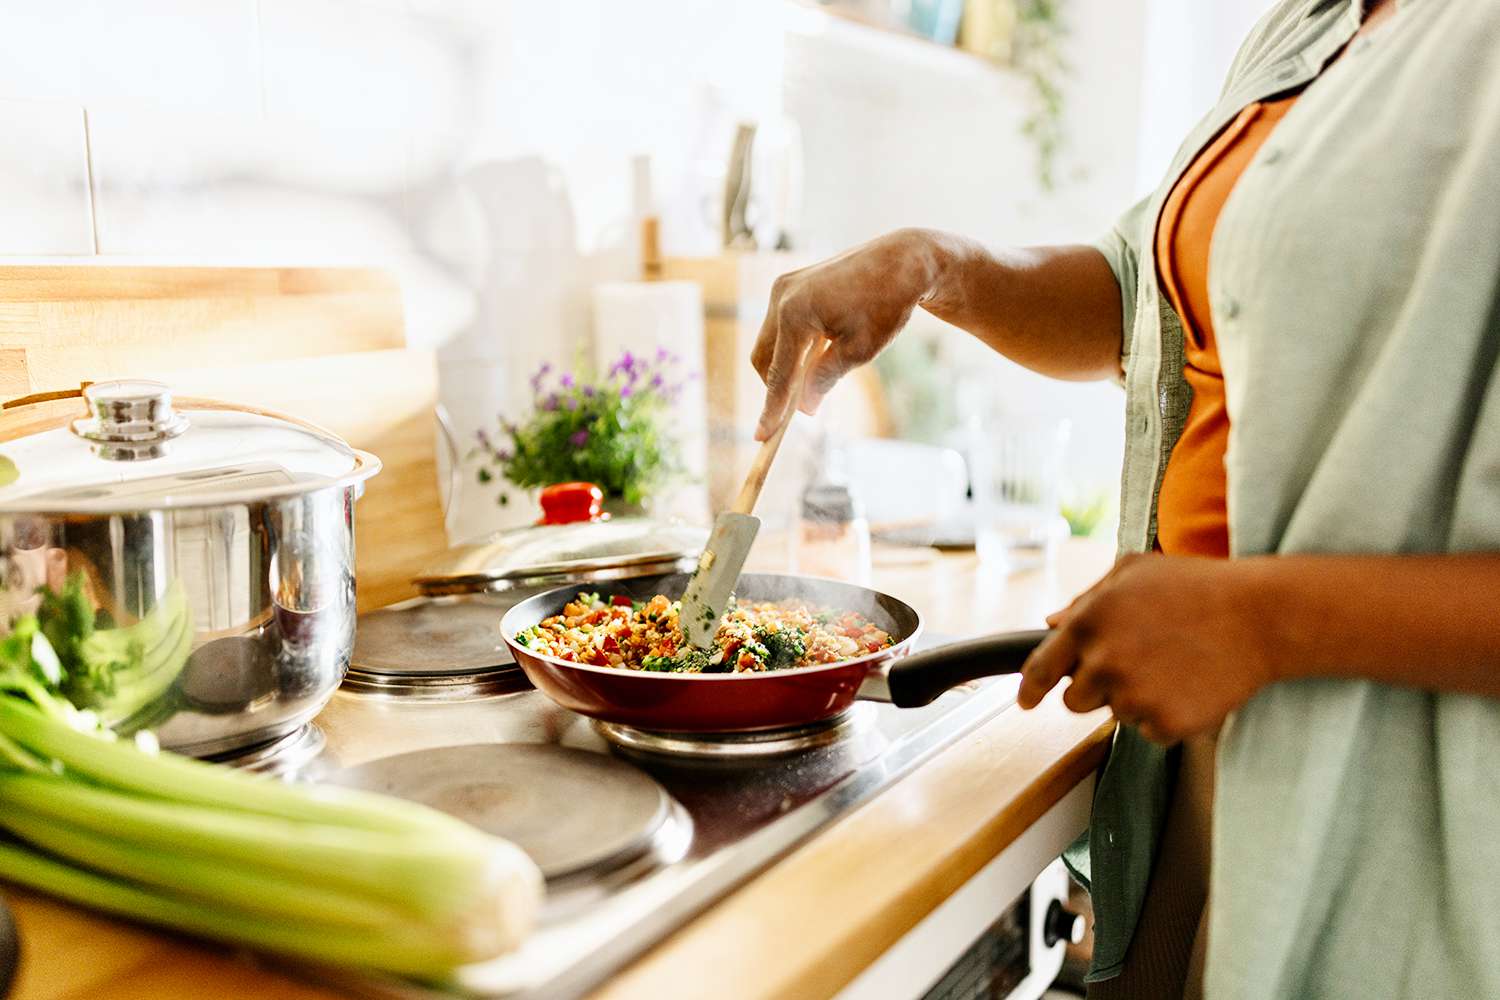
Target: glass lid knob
(129, 420)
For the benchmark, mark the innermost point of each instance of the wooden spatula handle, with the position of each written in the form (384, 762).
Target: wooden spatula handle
(761, 467)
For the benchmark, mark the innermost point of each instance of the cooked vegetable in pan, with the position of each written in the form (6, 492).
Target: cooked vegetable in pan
(753, 637)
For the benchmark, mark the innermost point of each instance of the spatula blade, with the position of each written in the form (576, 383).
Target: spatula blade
(718, 571)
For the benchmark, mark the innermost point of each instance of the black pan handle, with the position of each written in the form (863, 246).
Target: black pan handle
(918, 679)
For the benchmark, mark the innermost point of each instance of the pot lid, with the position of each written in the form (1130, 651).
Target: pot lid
(563, 551)
(132, 447)
(557, 550)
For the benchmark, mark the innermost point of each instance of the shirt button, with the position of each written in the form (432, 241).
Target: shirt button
(1229, 307)
(1272, 157)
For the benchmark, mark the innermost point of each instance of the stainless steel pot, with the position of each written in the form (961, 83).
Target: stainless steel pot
(213, 545)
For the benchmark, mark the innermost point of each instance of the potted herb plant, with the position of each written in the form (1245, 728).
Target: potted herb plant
(611, 430)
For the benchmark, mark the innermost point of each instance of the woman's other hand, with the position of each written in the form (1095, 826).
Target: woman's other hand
(1171, 644)
(858, 300)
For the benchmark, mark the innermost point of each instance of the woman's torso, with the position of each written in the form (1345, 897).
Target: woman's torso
(1352, 290)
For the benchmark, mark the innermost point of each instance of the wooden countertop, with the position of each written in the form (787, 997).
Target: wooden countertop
(880, 869)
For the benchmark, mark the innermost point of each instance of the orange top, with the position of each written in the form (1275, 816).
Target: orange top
(1191, 515)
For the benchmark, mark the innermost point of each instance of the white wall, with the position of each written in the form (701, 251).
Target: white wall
(1189, 46)
(481, 150)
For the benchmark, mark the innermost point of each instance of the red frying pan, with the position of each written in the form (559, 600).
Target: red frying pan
(744, 702)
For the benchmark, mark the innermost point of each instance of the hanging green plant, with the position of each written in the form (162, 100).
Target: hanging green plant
(1037, 55)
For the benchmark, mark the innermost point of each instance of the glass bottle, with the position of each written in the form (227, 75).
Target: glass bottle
(833, 536)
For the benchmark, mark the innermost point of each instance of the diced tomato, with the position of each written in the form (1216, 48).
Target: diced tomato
(620, 601)
(609, 645)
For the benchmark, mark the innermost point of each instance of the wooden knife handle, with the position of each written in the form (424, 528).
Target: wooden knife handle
(761, 467)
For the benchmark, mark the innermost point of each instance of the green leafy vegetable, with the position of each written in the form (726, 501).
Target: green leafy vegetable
(783, 646)
(325, 873)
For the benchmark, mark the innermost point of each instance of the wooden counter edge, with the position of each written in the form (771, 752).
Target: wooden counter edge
(807, 926)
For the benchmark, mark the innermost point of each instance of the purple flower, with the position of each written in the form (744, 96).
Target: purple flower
(626, 365)
(588, 391)
(566, 381)
(656, 381)
(570, 403)
(625, 391)
(505, 454)
(541, 373)
(662, 354)
(579, 438)
(484, 440)
(550, 403)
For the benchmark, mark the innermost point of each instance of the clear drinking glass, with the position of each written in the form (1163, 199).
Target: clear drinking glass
(1016, 463)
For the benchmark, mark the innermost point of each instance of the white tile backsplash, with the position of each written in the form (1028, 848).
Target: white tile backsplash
(178, 53)
(44, 177)
(365, 64)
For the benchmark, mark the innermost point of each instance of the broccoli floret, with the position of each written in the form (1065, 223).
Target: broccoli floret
(783, 646)
(686, 661)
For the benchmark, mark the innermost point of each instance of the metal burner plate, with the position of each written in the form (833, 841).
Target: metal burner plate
(431, 638)
(737, 746)
(572, 811)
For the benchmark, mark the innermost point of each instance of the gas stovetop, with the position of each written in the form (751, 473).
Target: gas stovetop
(636, 832)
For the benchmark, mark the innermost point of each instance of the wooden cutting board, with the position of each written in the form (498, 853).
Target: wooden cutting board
(324, 344)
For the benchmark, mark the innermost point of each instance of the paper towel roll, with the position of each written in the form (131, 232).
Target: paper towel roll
(642, 317)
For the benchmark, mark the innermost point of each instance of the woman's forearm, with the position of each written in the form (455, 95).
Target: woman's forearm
(1055, 310)
(1423, 621)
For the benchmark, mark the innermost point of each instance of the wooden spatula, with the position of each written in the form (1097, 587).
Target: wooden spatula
(719, 567)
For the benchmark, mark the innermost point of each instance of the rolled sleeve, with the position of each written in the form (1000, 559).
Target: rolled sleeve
(1121, 248)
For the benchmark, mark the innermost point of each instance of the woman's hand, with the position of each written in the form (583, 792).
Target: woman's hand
(1171, 644)
(1055, 310)
(858, 300)
(1174, 644)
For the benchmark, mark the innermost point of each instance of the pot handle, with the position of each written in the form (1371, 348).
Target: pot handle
(45, 397)
(918, 679)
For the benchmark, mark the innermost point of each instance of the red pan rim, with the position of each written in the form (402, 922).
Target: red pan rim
(507, 632)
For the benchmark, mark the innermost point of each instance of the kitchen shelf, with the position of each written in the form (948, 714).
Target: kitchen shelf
(850, 15)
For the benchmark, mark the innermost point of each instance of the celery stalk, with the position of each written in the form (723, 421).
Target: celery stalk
(183, 779)
(325, 873)
(206, 881)
(430, 875)
(408, 950)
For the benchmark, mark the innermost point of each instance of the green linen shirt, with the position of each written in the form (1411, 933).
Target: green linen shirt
(1354, 282)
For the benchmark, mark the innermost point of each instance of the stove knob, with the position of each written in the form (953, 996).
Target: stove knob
(1062, 924)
